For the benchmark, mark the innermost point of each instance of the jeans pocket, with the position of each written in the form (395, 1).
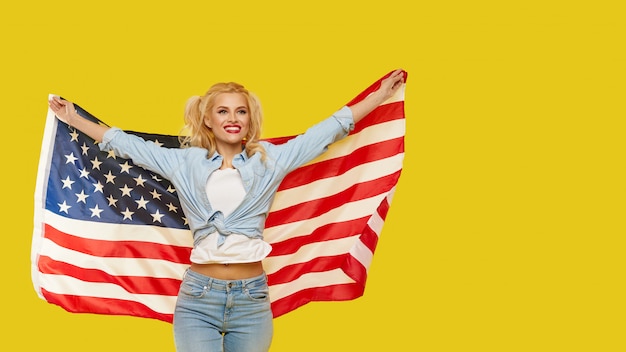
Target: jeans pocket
(258, 293)
(191, 289)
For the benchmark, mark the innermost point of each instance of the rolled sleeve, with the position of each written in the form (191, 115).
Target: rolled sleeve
(345, 119)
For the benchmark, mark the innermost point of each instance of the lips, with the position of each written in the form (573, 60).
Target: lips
(232, 128)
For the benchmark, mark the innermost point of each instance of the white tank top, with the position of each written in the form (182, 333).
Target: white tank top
(225, 191)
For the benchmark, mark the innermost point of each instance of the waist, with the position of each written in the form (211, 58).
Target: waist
(234, 271)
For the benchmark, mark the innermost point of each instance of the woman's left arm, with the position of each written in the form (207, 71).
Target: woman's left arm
(388, 88)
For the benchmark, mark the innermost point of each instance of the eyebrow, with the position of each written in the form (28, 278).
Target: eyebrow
(226, 107)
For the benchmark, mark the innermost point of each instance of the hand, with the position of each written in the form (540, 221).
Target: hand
(63, 109)
(391, 84)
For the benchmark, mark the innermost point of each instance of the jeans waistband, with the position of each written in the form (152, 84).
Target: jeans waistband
(218, 284)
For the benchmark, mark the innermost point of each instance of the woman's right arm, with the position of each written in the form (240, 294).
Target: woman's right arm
(66, 112)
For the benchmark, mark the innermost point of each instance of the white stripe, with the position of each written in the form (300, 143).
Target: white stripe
(346, 212)
(66, 285)
(326, 278)
(333, 185)
(114, 266)
(363, 254)
(40, 192)
(309, 252)
(119, 232)
(370, 135)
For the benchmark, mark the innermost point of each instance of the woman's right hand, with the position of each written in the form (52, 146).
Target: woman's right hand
(63, 109)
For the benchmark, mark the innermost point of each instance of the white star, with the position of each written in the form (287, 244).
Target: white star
(155, 194)
(95, 163)
(172, 208)
(171, 189)
(112, 201)
(85, 148)
(141, 203)
(64, 207)
(126, 191)
(185, 221)
(111, 154)
(74, 135)
(67, 183)
(156, 178)
(70, 158)
(140, 180)
(110, 177)
(99, 187)
(96, 211)
(158, 144)
(128, 214)
(126, 167)
(81, 197)
(157, 216)
(84, 173)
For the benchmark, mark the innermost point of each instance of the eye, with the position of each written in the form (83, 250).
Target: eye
(242, 112)
(221, 111)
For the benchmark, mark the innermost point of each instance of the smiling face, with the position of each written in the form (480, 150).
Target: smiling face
(229, 119)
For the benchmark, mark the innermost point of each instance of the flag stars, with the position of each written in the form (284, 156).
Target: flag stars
(128, 215)
(126, 190)
(85, 148)
(156, 217)
(158, 144)
(67, 183)
(171, 189)
(172, 208)
(63, 207)
(141, 203)
(99, 187)
(74, 135)
(95, 211)
(84, 173)
(82, 197)
(110, 177)
(70, 158)
(126, 167)
(155, 194)
(112, 201)
(140, 181)
(95, 163)
(111, 154)
(156, 178)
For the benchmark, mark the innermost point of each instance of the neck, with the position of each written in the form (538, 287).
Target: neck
(228, 153)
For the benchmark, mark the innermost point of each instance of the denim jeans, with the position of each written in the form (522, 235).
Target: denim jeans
(223, 315)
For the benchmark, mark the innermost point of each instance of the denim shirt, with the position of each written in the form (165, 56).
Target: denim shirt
(188, 169)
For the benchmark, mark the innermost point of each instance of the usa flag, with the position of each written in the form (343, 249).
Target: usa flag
(110, 237)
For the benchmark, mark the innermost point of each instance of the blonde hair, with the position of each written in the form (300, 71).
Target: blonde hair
(199, 135)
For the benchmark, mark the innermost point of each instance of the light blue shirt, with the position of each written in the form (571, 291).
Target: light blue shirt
(188, 169)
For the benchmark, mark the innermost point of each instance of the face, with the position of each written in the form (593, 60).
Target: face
(229, 119)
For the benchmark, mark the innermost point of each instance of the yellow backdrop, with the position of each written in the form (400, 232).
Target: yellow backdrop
(506, 232)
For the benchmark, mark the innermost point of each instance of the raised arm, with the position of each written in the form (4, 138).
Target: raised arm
(388, 88)
(66, 112)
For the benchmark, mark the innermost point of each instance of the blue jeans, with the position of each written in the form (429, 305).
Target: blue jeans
(222, 315)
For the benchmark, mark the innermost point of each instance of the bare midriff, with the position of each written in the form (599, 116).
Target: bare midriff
(234, 271)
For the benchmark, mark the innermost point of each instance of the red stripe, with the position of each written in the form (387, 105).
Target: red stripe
(108, 306)
(342, 292)
(132, 284)
(322, 233)
(118, 249)
(292, 272)
(338, 166)
(320, 206)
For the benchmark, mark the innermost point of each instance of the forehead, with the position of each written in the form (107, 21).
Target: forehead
(232, 100)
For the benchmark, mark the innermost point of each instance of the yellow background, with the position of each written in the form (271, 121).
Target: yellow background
(507, 229)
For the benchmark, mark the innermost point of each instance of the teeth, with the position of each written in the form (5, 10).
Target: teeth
(232, 129)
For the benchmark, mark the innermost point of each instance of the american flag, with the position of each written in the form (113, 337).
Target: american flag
(110, 237)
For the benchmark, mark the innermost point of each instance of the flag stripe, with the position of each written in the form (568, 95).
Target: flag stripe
(119, 249)
(110, 306)
(132, 284)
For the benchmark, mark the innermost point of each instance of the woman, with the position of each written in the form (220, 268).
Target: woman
(226, 179)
